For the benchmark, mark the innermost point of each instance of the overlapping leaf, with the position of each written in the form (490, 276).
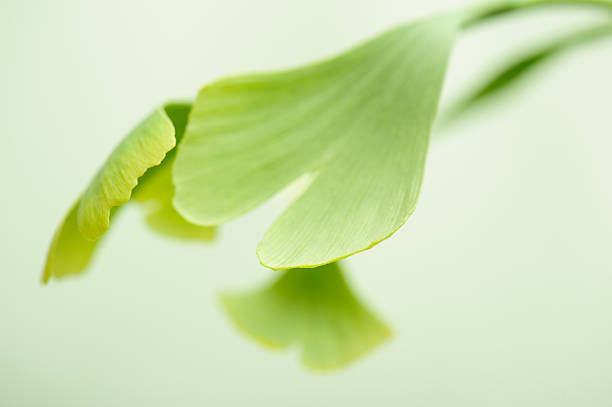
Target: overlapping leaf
(72, 247)
(155, 189)
(313, 309)
(359, 122)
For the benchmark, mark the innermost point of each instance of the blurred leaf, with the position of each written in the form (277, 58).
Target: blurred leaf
(313, 309)
(360, 122)
(70, 251)
(162, 217)
(518, 69)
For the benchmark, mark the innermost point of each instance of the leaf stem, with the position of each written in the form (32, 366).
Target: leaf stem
(517, 69)
(482, 12)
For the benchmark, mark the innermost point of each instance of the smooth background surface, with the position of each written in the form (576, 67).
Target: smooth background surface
(498, 289)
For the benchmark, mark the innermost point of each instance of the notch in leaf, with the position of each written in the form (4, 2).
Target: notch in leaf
(359, 123)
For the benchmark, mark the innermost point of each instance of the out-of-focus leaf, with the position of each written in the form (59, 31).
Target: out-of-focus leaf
(70, 251)
(156, 198)
(482, 12)
(313, 309)
(518, 69)
(359, 122)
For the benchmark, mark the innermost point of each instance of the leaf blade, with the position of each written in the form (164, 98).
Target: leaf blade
(313, 309)
(145, 147)
(360, 122)
(70, 252)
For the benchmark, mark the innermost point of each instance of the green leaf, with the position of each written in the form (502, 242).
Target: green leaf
(145, 147)
(70, 252)
(156, 197)
(359, 122)
(514, 71)
(313, 309)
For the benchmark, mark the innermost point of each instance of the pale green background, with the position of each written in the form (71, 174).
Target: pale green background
(498, 288)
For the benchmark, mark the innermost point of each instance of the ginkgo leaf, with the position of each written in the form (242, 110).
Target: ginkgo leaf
(145, 147)
(519, 68)
(313, 309)
(359, 122)
(70, 252)
(162, 216)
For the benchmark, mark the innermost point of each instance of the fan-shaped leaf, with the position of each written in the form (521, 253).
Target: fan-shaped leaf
(360, 122)
(313, 309)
